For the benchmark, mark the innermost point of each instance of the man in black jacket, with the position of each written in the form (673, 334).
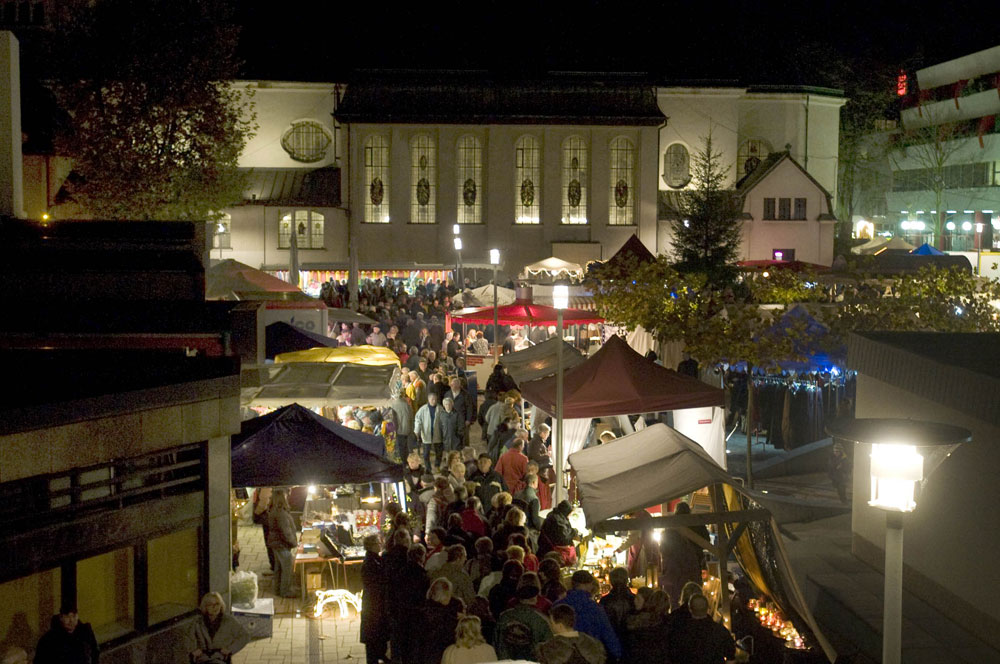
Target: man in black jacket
(68, 640)
(489, 482)
(464, 404)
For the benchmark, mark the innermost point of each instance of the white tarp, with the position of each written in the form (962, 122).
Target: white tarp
(483, 297)
(705, 426)
(554, 267)
(645, 468)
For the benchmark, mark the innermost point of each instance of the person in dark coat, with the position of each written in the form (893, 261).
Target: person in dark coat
(500, 381)
(374, 610)
(501, 594)
(647, 632)
(619, 603)
(680, 558)
(281, 539)
(68, 640)
(488, 482)
(557, 533)
(439, 619)
(408, 581)
(696, 639)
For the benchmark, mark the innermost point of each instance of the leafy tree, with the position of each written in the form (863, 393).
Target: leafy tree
(706, 236)
(157, 129)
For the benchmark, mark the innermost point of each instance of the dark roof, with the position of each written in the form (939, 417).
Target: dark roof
(455, 98)
(959, 370)
(293, 186)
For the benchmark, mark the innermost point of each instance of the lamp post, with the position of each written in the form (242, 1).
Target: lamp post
(456, 230)
(904, 454)
(560, 300)
(495, 262)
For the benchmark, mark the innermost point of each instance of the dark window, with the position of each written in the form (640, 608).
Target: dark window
(800, 208)
(784, 209)
(769, 208)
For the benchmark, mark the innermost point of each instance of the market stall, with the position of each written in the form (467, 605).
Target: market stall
(372, 356)
(656, 465)
(618, 381)
(232, 280)
(483, 296)
(539, 361)
(318, 384)
(554, 268)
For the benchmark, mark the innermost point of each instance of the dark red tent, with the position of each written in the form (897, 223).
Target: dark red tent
(525, 313)
(616, 380)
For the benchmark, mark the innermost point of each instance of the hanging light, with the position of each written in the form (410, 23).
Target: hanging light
(369, 496)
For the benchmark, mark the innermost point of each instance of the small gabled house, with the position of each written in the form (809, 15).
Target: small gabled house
(787, 214)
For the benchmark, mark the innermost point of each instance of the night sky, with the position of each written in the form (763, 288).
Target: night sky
(752, 42)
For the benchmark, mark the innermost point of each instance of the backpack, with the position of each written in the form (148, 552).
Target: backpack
(517, 641)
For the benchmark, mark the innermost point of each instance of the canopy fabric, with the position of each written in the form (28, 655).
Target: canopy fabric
(618, 381)
(539, 360)
(318, 384)
(370, 356)
(554, 267)
(523, 312)
(870, 246)
(293, 446)
(282, 337)
(483, 296)
(927, 250)
(811, 347)
(895, 244)
(229, 279)
(644, 468)
(631, 255)
(336, 315)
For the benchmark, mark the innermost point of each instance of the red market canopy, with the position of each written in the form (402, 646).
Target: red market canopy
(616, 380)
(525, 313)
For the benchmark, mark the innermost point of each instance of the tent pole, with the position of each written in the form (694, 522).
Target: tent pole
(722, 546)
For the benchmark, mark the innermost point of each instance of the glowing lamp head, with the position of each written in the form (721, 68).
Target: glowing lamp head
(966, 226)
(896, 470)
(458, 244)
(494, 257)
(311, 490)
(456, 229)
(779, 255)
(560, 296)
(950, 225)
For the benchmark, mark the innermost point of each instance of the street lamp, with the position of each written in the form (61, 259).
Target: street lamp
(904, 454)
(495, 262)
(458, 248)
(560, 300)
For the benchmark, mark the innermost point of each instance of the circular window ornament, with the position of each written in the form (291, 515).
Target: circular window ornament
(306, 141)
(574, 193)
(376, 191)
(469, 192)
(677, 166)
(423, 191)
(527, 193)
(423, 162)
(621, 193)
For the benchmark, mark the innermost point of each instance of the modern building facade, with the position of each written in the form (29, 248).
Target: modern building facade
(945, 159)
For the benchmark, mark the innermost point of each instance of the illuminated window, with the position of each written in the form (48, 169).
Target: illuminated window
(222, 237)
(172, 577)
(423, 180)
(751, 153)
(105, 593)
(574, 181)
(470, 181)
(377, 180)
(677, 166)
(308, 226)
(27, 605)
(621, 210)
(527, 180)
(306, 141)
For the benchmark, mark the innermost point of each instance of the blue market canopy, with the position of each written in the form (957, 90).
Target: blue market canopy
(813, 346)
(294, 446)
(927, 250)
(282, 337)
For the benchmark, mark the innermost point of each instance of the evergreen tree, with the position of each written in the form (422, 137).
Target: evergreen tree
(707, 234)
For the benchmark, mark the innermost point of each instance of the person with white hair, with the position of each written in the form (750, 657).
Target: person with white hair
(215, 635)
(449, 426)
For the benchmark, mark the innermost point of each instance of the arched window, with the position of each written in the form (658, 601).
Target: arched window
(527, 180)
(306, 141)
(376, 180)
(423, 180)
(575, 177)
(752, 152)
(621, 210)
(222, 237)
(677, 166)
(307, 226)
(470, 181)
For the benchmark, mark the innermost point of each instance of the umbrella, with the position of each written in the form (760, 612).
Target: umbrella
(229, 279)
(525, 313)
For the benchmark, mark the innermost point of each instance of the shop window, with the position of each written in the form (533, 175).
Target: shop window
(27, 605)
(306, 141)
(172, 576)
(423, 180)
(527, 180)
(470, 181)
(800, 209)
(308, 226)
(769, 208)
(105, 593)
(784, 209)
(574, 181)
(376, 156)
(222, 237)
(677, 166)
(621, 208)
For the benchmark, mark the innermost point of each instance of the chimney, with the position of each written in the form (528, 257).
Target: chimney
(11, 182)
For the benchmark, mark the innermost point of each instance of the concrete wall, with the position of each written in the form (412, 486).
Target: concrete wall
(951, 538)
(691, 114)
(401, 241)
(255, 237)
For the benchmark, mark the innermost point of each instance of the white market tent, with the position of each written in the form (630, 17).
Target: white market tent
(659, 464)
(483, 297)
(554, 267)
